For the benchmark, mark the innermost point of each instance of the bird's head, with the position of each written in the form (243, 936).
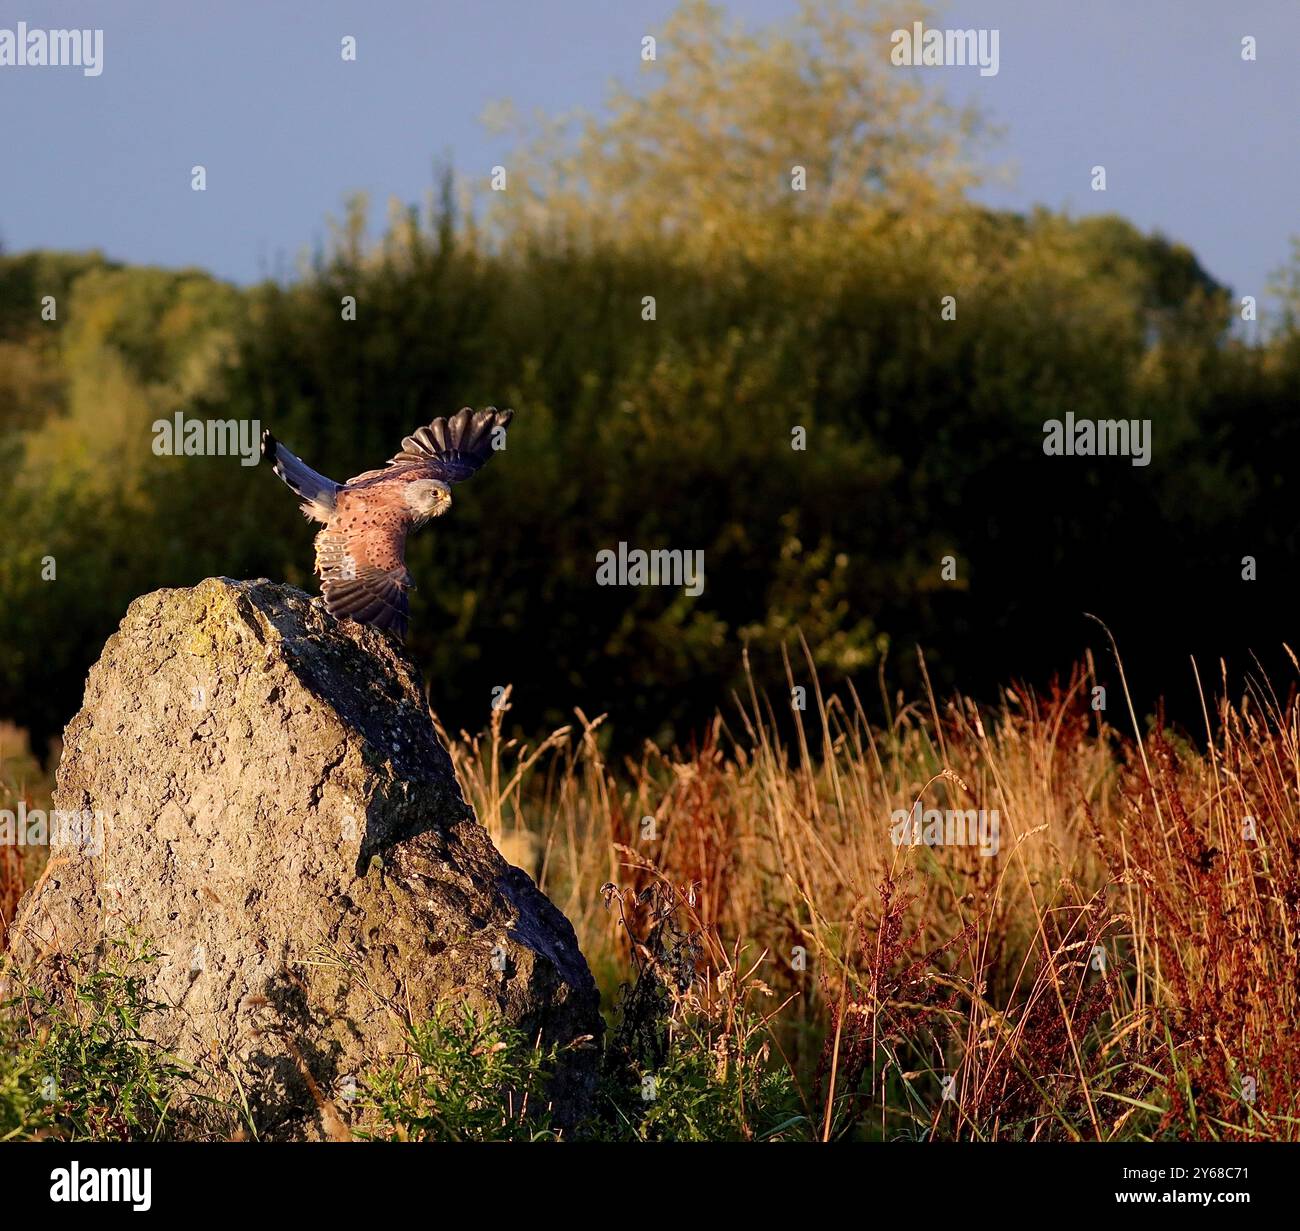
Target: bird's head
(428, 498)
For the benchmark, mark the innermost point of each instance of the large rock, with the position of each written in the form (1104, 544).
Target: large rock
(281, 820)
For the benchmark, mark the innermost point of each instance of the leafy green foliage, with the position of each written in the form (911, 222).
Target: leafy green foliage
(710, 1087)
(467, 1077)
(689, 1058)
(74, 1061)
(23, 1113)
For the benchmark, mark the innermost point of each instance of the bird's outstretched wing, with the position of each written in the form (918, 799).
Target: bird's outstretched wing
(361, 564)
(316, 490)
(454, 448)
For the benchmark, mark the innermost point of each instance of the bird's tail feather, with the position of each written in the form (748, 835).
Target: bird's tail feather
(315, 489)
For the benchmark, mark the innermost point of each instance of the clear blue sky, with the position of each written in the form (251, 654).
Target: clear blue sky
(1196, 143)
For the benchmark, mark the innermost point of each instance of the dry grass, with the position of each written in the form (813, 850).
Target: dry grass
(20, 781)
(1125, 965)
(12, 883)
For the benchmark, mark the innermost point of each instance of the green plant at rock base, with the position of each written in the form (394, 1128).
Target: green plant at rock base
(466, 1077)
(710, 1089)
(689, 1058)
(75, 1064)
(22, 1112)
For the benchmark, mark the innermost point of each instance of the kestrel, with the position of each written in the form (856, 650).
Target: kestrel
(360, 554)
